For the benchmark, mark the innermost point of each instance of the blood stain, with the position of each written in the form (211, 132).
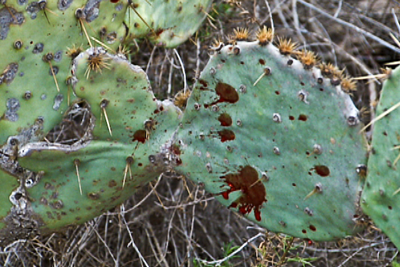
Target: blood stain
(226, 135)
(322, 170)
(253, 191)
(139, 135)
(226, 93)
(302, 117)
(225, 119)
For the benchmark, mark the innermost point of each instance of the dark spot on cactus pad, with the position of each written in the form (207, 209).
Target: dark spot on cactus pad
(13, 106)
(91, 10)
(94, 196)
(9, 73)
(302, 117)
(64, 4)
(277, 92)
(203, 83)
(38, 48)
(225, 119)
(226, 135)
(390, 207)
(291, 118)
(58, 204)
(322, 170)
(112, 183)
(304, 231)
(312, 228)
(253, 191)
(261, 61)
(226, 93)
(140, 135)
(9, 16)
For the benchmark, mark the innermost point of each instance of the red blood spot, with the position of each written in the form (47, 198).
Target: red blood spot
(302, 117)
(226, 94)
(204, 83)
(253, 191)
(175, 149)
(309, 242)
(225, 119)
(139, 135)
(159, 32)
(313, 228)
(226, 135)
(322, 170)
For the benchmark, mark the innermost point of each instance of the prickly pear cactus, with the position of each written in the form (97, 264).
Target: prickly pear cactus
(107, 145)
(275, 139)
(381, 195)
(37, 41)
(168, 23)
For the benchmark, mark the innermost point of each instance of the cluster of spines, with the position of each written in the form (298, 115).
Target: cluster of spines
(288, 48)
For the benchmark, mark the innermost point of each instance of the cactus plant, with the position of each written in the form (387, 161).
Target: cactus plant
(82, 167)
(167, 23)
(380, 198)
(38, 39)
(56, 138)
(275, 138)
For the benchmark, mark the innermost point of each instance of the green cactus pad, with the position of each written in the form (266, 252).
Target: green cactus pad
(380, 198)
(80, 170)
(275, 141)
(35, 40)
(169, 23)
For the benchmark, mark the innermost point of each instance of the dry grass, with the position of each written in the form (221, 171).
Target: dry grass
(173, 222)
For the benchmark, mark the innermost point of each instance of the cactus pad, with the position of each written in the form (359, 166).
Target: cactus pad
(166, 22)
(380, 198)
(274, 139)
(82, 167)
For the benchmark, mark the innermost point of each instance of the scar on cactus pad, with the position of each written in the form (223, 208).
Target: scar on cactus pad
(275, 138)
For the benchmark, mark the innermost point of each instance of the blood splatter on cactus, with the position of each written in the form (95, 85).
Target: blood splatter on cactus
(275, 138)
(169, 23)
(380, 198)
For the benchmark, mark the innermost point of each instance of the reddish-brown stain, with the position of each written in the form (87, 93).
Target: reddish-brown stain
(112, 183)
(203, 83)
(302, 117)
(225, 119)
(139, 135)
(159, 32)
(262, 61)
(322, 170)
(313, 228)
(226, 93)
(114, 1)
(175, 149)
(291, 118)
(253, 191)
(226, 135)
